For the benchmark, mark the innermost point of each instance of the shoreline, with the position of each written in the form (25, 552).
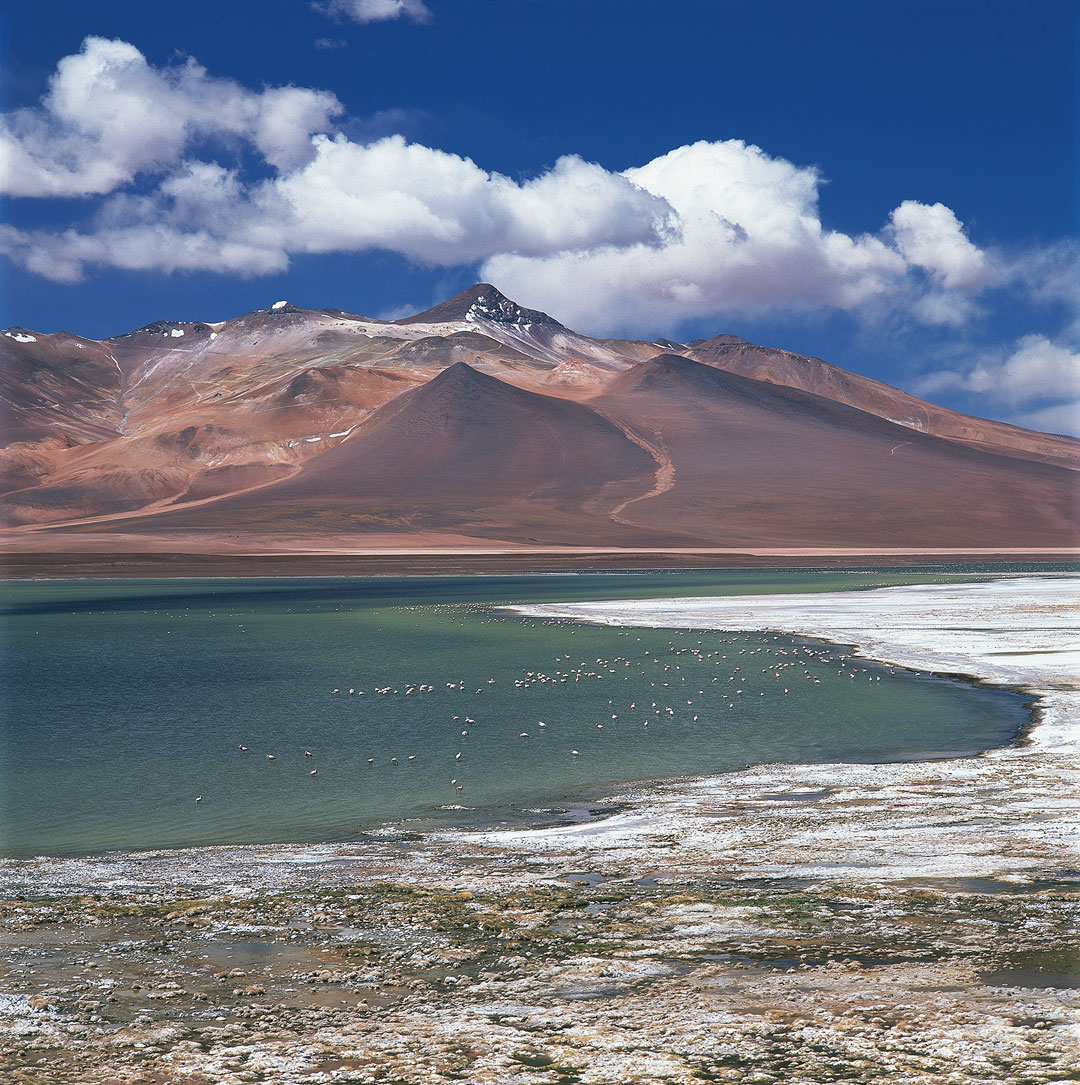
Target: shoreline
(1003, 651)
(117, 562)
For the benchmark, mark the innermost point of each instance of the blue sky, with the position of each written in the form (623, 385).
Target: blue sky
(890, 186)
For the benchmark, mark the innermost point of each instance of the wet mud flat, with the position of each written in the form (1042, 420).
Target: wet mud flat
(402, 963)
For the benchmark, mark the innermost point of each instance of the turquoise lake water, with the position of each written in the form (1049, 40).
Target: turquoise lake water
(128, 700)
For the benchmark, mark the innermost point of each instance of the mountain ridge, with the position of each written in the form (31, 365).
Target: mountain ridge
(251, 410)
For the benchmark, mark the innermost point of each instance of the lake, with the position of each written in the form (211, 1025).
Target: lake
(166, 713)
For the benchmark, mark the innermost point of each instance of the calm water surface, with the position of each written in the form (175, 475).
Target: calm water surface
(126, 700)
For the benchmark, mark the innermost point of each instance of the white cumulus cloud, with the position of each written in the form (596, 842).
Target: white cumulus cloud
(747, 237)
(711, 229)
(932, 237)
(109, 116)
(375, 11)
(1037, 383)
(440, 208)
(1061, 418)
(1036, 370)
(433, 207)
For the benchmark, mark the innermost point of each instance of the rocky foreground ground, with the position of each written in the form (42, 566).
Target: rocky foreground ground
(507, 970)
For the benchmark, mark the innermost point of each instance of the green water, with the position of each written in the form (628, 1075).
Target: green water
(127, 700)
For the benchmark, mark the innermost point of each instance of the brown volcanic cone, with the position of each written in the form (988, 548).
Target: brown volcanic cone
(746, 462)
(465, 452)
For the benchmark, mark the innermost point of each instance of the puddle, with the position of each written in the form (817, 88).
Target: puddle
(1066, 882)
(1056, 968)
(1027, 977)
(588, 878)
(248, 955)
(798, 796)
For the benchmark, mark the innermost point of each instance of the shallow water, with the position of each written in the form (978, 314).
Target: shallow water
(129, 700)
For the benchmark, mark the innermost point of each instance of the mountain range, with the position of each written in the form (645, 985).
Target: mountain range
(482, 420)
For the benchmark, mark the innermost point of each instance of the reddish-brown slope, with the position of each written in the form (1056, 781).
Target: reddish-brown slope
(57, 386)
(196, 446)
(58, 393)
(746, 462)
(735, 355)
(464, 452)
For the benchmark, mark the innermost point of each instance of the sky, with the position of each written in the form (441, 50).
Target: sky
(891, 186)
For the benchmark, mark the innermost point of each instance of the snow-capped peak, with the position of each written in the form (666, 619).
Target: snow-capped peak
(493, 306)
(482, 304)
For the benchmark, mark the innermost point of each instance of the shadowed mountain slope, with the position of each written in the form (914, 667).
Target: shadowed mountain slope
(745, 461)
(463, 451)
(59, 388)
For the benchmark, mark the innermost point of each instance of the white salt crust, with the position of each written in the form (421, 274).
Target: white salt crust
(1009, 813)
